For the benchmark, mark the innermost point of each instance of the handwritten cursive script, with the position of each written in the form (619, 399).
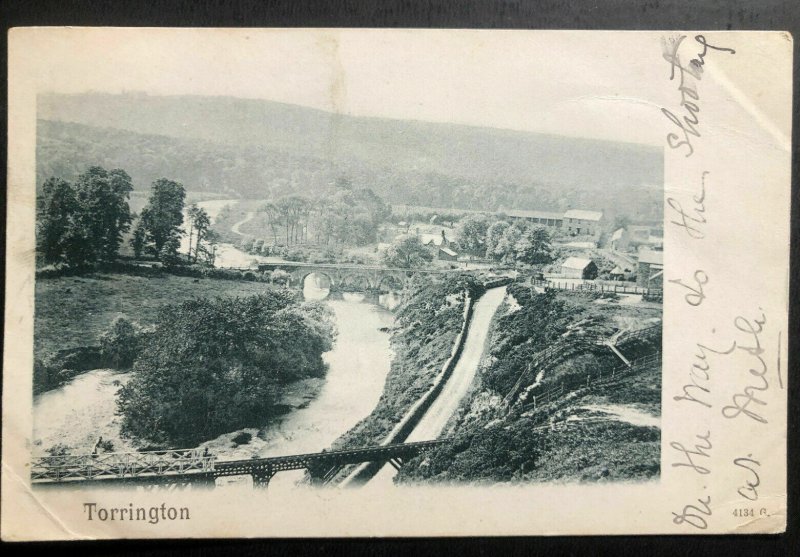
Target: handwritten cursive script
(691, 221)
(748, 491)
(751, 394)
(688, 74)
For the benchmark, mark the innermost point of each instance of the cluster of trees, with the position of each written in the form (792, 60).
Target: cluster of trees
(159, 229)
(347, 216)
(505, 241)
(407, 252)
(202, 238)
(82, 223)
(215, 365)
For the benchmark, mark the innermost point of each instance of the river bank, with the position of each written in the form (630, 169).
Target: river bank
(428, 324)
(314, 412)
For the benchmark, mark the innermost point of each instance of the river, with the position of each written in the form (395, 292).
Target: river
(82, 410)
(79, 412)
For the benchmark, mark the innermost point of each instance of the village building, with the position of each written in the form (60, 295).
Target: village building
(439, 245)
(650, 272)
(578, 222)
(446, 254)
(543, 218)
(435, 240)
(578, 267)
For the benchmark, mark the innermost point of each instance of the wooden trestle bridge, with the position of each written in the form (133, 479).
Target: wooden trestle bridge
(194, 466)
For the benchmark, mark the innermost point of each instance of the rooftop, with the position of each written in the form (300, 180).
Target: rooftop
(522, 214)
(428, 239)
(578, 263)
(651, 257)
(583, 215)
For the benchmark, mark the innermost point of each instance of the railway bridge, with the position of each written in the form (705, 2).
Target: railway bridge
(194, 466)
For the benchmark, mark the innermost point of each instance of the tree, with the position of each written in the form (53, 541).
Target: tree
(506, 247)
(169, 251)
(55, 218)
(191, 212)
(621, 221)
(471, 232)
(207, 250)
(137, 242)
(162, 217)
(407, 252)
(83, 223)
(215, 365)
(271, 211)
(200, 222)
(535, 247)
(493, 237)
(247, 244)
(104, 213)
(377, 209)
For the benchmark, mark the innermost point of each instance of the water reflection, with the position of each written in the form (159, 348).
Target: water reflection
(318, 286)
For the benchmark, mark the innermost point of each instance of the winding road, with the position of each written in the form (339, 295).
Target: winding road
(247, 218)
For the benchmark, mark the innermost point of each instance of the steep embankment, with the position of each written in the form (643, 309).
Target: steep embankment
(583, 424)
(458, 384)
(428, 325)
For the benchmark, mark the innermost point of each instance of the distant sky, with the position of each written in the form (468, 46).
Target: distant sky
(600, 85)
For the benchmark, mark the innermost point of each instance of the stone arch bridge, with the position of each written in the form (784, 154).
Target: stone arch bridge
(353, 277)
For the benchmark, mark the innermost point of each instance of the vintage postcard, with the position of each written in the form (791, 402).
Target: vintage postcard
(340, 282)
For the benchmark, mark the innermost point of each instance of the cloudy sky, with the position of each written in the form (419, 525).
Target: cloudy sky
(605, 85)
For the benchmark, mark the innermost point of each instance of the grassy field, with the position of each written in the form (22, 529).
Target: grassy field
(74, 311)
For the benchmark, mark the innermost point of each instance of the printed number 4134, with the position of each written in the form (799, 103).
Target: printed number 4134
(748, 512)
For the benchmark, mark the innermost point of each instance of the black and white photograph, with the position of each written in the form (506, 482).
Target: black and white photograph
(339, 262)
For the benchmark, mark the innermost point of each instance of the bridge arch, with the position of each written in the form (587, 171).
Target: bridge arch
(391, 282)
(356, 281)
(306, 274)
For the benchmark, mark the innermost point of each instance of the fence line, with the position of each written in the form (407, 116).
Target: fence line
(651, 293)
(562, 348)
(591, 380)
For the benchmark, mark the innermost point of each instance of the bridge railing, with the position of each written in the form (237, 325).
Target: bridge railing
(120, 465)
(347, 266)
(187, 462)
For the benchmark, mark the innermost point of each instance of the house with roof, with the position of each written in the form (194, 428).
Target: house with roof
(578, 267)
(586, 224)
(542, 218)
(650, 273)
(446, 254)
(435, 240)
